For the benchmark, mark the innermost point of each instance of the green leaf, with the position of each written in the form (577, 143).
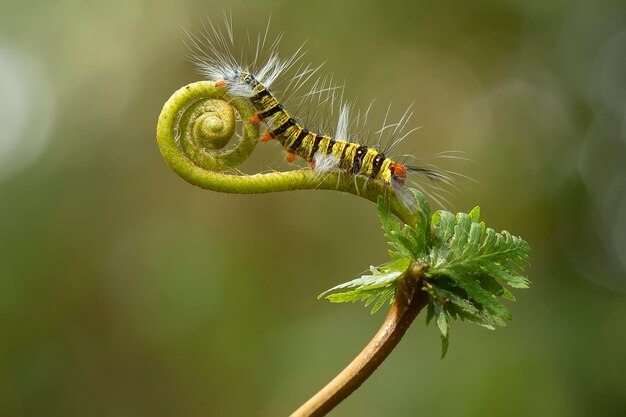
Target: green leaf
(474, 215)
(389, 223)
(443, 325)
(422, 228)
(370, 296)
(403, 248)
(430, 311)
(384, 296)
(445, 343)
(373, 289)
(380, 277)
(442, 319)
(508, 294)
(469, 267)
(442, 231)
(462, 244)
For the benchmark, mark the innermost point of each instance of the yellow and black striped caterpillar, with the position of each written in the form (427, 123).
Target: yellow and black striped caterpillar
(213, 54)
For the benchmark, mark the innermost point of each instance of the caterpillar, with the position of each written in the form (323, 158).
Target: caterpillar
(213, 53)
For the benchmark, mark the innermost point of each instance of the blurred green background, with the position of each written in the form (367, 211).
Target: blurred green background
(125, 291)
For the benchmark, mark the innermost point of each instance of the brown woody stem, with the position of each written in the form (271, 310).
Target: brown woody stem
(409, 300)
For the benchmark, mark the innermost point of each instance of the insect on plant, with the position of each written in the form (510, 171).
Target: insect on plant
(454, 266)
(214, 51)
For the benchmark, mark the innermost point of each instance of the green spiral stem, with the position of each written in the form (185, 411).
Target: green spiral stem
(197, 123)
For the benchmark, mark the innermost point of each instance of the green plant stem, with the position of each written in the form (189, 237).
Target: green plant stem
(409, 301)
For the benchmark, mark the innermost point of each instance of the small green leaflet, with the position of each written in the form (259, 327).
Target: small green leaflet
(470, 267)
(407, 242)
(373, 289)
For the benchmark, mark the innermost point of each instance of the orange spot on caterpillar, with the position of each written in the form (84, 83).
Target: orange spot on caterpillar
(267, 136)
(312, 164)
(255, 118)
(220, 84)
(398, 172)
(290, 156)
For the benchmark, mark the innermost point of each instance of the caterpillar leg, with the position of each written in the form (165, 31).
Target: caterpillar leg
(290, 156)
(267, 136)
(255, 118)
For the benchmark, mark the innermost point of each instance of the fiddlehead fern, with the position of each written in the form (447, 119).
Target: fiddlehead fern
(199, 120)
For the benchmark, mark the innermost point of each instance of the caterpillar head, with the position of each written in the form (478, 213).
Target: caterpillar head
(398, 173)
(238, 82)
